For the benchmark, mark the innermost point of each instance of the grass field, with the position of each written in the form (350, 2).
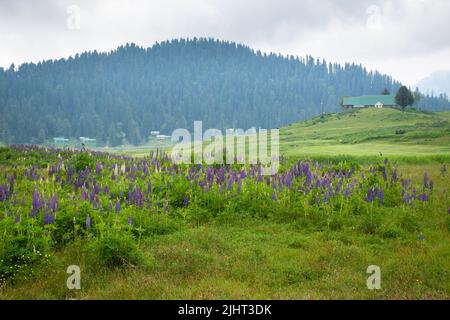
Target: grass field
(247, 244)
(370, 133)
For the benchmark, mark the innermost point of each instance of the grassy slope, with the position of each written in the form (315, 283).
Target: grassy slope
(361, 134)
(369, 132)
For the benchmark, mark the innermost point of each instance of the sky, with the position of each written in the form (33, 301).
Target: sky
(408, 39)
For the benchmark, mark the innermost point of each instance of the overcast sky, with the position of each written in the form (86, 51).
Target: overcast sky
(408, 39)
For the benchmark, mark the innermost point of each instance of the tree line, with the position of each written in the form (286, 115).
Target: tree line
(120, 96)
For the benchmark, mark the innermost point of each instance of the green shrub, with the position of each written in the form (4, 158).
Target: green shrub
(391, 231)
(82, 161)
(115, 250)
(409, 223)
(20, 260)
(154, 225)
(369, 224)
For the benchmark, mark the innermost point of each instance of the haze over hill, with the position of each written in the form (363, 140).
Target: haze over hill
(437, 83)
(122, 95)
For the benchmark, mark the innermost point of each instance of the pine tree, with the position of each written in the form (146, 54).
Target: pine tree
(404, 97)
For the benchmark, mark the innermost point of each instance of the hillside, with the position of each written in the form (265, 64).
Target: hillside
(369, 132)
(120, 96)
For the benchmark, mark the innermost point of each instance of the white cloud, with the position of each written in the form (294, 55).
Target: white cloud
(405, 38)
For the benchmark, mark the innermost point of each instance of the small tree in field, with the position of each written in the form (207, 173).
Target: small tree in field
(404, 97)
(385, 92)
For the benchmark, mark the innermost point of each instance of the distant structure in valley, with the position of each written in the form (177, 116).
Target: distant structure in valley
(369, 101)
(60, 140)
(162, 137)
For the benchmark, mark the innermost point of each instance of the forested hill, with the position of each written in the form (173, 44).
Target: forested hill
(126, 93)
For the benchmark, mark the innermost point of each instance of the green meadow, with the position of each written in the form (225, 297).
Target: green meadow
(412, 136)
(251, 243)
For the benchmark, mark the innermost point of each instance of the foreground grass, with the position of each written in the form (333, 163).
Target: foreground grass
(241, 257)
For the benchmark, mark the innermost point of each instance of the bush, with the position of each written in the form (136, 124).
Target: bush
(369, 224)
(82, 161)
(116, 249)
(19, 261)
(391, 231)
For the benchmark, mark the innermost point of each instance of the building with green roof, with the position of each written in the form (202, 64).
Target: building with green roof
(375, 101)
(60, 140)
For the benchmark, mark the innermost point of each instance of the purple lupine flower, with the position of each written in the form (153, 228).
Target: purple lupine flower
(289, 180)
(230, 183)
(405, 197)
(423, 196)
(274, 195)
(98, 168)
(186, 201)
(309, 177)
(340, 173)
(375, 192)
(130, 221)
(17, 219)
(394, 175)
(369, 196)
(35, 202)
(317, 183)
(425, 180)
(347, 192)
(381, 196)
(448, 211)
(95, 203)
(49, 218)
(384, 173)
(88, 222)
(83, 194)
(117, 206)
(239, 185)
